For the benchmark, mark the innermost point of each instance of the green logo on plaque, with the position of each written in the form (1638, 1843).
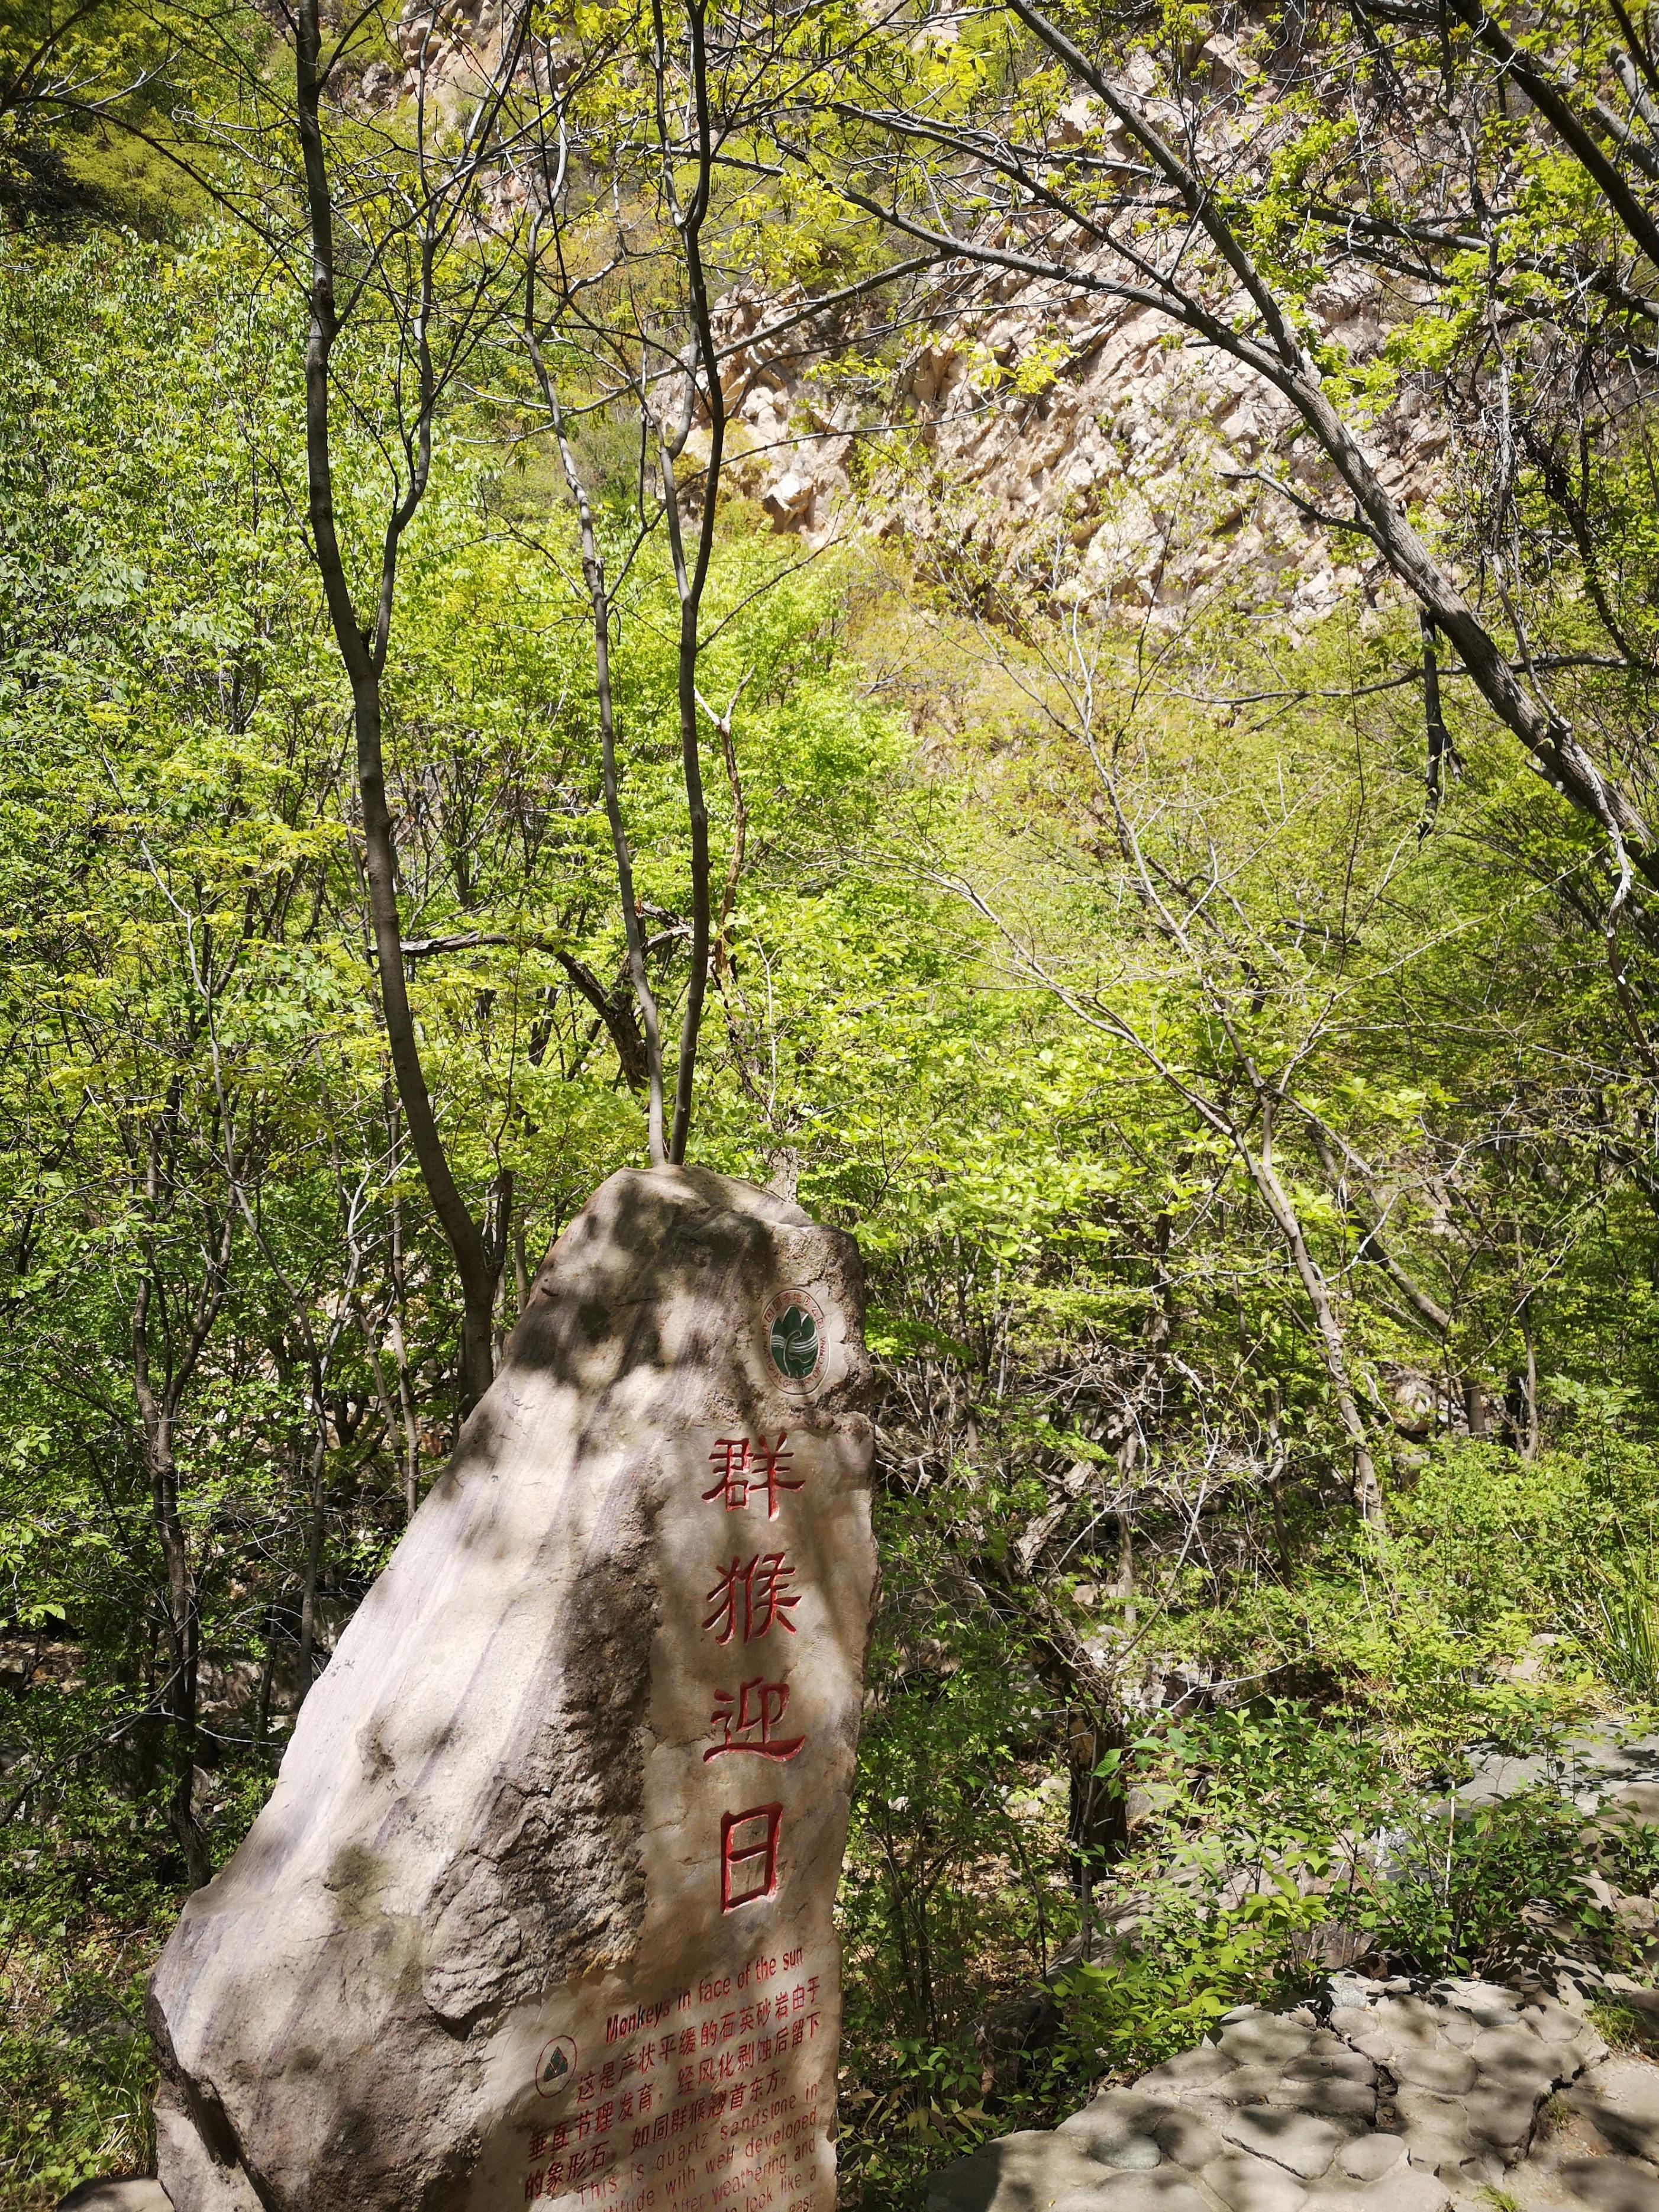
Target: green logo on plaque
(794, 1344)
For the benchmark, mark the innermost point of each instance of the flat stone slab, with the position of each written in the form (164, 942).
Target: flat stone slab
(1191, 2069)
(1119, 2129)
(1300, 2141)
(1406, 2189)
(1166, 2190)
(1613, 2184)
(1186, 2137)
(1279, 2114)
(1245, 2184)
(1266, 2039)
(1031, 2172)
(117, 2196)
(1368, 2158)
(1620, 2102)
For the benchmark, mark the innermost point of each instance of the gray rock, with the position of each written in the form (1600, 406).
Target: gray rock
(1253, 2185)
(1488, 2003)
(1167, 2190)
(117, 2196)
(1636, 1804)
(1436, 2129)
(1266, 2039)
(1515, 2059)
(1501, 2118)
(1187, 2137)
(1328, 2059)
(1402, 2188)
(548, 1872)
(1612, 2184)
(1296, 2141)
(1554, 2024)
(1189, 2069)
(1313, 2146)
(1248, 2085)
(1620, 2102)
(1351, 2103)
(1029, 2171)
(1449, 2073)
(1368, 2158)
(1119, 2129)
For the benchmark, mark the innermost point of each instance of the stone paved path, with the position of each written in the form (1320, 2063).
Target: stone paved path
(1471, 2099)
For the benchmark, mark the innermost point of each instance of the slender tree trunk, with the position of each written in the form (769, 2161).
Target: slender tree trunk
(182, 1620)
(184, 1639)
(313, 1568)
(1367, 1490)
(1474, 1405)
(362, 653)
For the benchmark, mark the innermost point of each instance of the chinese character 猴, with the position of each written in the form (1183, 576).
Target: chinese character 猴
(749, 1596)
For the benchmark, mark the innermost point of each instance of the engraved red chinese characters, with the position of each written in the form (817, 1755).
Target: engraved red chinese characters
(746, 1717)
(742, 1466)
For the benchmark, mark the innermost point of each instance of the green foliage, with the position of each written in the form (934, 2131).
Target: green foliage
(1122, 1565)
(1177, 1977)
(79, 1925)
(1478, 1890)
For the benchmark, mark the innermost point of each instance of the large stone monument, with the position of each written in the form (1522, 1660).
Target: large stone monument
(540, 1908)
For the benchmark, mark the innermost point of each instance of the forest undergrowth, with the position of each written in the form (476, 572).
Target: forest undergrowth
(1255, 1161)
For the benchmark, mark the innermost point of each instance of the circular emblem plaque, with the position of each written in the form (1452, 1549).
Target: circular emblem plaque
(793, 1329)
(557, 2066)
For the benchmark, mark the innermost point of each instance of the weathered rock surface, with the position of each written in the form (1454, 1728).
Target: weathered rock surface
(116, 2197)
(540, 1907)
(1396, 2103)
(1136, 458)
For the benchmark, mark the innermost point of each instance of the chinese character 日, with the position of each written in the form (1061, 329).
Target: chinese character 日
(749, 1855)
(747, 1716)
(751, 1596)
(741, 1466)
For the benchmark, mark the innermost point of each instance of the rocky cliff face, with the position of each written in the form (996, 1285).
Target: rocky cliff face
(1126, 462)
(1092, 445)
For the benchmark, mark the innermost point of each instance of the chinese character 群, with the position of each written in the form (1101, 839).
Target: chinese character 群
(742, 1467)
(749, 1855)
(751, 1596)
(746, 1717)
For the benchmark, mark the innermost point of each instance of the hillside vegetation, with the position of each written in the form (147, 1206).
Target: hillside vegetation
(1223, 1012)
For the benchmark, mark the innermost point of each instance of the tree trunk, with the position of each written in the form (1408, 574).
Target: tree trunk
(362, 652)
(314, 1570)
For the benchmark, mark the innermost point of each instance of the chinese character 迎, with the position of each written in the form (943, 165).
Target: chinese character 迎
(749, 1596)
(747, 1717)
